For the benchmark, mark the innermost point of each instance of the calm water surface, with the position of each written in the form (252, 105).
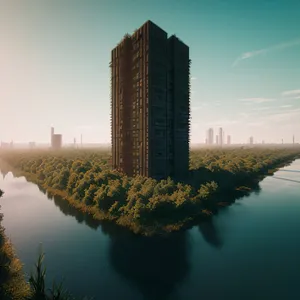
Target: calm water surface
(250, 250)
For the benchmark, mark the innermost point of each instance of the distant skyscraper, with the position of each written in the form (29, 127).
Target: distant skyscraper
(210, 136)
(52, 133)
(293, 140)
(228, 139)
(217, 140)
(251, 140)
(150, 104)
(221, 136)
(56, 140)
(31, 145)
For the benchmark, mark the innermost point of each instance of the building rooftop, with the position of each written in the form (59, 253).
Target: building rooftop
(127, 35)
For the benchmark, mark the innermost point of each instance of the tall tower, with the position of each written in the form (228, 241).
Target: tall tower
(221, 135)
(210, 136)
(251, 140)
(150, 104)
(52, 134)
(228, 140)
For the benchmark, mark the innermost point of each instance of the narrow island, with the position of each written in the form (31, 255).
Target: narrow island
(144, 205)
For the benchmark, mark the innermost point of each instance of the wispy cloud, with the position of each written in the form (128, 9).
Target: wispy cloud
(261, 108)
(257, 100)
(199, 106)
(194, 108)
(256, 124)
(284, 116)
(254, 53)
(193, 78)
(293, 94)
(244, 115)
(286, 106)
(85, 127)
(222, 123)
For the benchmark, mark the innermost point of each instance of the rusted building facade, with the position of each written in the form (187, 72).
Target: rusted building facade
(150, 109)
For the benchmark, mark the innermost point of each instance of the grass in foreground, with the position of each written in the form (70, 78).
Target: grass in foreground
(38, 285)
(12, 280)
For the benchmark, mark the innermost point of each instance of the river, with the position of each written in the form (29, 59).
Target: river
(249, 250)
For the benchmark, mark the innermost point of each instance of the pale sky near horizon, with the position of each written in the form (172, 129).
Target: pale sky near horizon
(54, 65)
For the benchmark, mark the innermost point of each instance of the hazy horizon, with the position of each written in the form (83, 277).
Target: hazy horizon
(54, 66)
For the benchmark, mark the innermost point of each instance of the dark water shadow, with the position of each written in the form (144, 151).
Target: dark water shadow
(155, 266)
(230, 197)
(69, 210)
(211, 234)
(205, 225)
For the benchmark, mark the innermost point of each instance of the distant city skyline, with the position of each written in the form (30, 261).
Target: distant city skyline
(54, 66)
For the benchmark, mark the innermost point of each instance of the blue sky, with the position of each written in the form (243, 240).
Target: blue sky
(54, 65)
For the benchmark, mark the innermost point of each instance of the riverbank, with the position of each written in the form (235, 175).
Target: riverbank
(144, 205)
(127, 222)
(233, 242)
(12, 280)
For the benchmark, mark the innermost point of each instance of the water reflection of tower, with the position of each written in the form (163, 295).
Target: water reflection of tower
(155, 265)
(210, 234)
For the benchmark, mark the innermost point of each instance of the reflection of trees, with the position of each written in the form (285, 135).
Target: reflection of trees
(155, 265)
(257, 189)
(4, 172)
(208, 229)
(69, 210)
(231, 196)
(43, 190)
(210, 233)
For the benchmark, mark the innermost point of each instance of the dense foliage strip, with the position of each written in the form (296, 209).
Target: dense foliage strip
(12, 281)
(145, 205)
